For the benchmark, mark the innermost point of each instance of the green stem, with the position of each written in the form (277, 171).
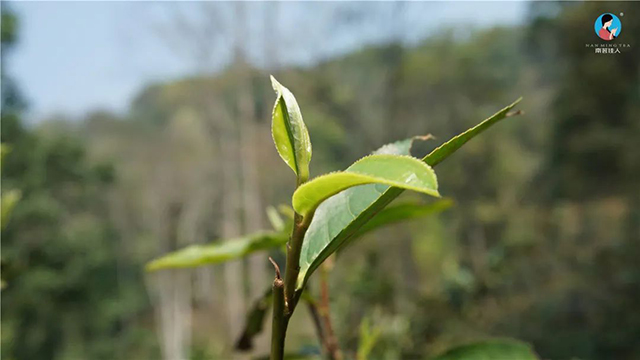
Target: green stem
(294, 247)
(279, 323)
(285, 297)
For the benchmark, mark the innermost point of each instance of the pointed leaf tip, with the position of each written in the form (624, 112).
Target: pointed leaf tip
(445, 150)
(341, 216)
(290, 134)
(275, 84)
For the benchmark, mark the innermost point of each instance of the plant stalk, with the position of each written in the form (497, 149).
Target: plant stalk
(331, 342)
(279, 323)
(317, 322)
(284, 292)
(294, 247)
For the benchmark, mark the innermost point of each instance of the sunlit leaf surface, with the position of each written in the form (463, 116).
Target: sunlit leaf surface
(339, 217)
(289, 132)
(396, 213)
(198, 255)
(393, 170)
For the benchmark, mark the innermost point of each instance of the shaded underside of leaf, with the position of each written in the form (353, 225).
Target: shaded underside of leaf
(339, 217)
(491, 350)
(396, 213)
(198, 255)
(290, 134)
(255, 321)
(392, 170)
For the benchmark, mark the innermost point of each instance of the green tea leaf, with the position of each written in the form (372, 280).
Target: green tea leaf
(339, 217)
(491, 350)
(255, 321)
(289, 132)
(198, 255)
(402, 212)
(456, 142)
(393, 170)
(396, 213)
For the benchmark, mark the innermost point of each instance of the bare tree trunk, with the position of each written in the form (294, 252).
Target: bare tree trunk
(204, 276)
(173, 289)
(252, 199)
(175, 313)
(233, 271)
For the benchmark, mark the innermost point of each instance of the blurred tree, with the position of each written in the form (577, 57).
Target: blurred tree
(63, 298)
(591, 172)
(544, 237)
(11, 99)
(597, 101)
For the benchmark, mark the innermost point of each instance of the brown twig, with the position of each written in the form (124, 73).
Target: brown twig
(331, 342)
(515, 113)
(279, 324)
(275, 265)
(317, 322)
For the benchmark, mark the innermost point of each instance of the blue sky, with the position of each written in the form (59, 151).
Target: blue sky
(73, 57)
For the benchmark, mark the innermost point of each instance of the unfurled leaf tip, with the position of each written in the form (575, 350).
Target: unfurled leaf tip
(275, 85)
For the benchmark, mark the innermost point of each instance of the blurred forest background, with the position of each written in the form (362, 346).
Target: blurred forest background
(543, 243)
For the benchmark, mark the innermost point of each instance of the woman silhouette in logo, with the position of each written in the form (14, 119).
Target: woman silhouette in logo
(605, 33)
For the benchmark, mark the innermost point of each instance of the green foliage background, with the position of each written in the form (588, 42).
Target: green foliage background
(542, 244)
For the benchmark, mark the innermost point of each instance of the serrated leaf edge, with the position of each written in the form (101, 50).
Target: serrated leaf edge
(374, 180)
(479, 128)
